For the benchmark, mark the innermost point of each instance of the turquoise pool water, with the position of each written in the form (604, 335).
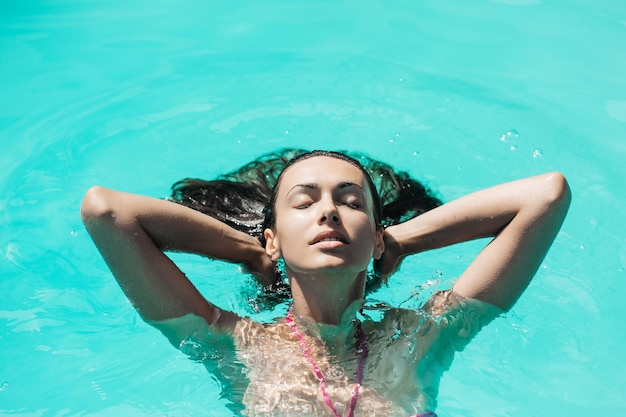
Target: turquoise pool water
(135, 95)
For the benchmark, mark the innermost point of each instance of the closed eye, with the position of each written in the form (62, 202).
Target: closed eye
(353, 202)
(302, 201)
(351, 195)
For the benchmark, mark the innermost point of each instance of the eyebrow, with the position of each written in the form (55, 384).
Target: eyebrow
(314, 186)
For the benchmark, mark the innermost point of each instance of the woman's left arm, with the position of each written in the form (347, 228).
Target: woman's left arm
(522, 216)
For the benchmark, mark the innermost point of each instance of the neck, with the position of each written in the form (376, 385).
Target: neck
(323, 298)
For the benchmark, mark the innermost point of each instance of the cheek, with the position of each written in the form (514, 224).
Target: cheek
(292, 221)
(288, 230)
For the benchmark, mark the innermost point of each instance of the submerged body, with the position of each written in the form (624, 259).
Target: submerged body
(323, 220)
(407, 353)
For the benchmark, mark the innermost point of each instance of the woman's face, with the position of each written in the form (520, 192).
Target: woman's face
(324, 218)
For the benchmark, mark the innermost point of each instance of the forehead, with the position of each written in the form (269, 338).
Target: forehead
(321, 170)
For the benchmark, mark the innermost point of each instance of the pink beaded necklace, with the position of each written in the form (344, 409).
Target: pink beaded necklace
(362, 351)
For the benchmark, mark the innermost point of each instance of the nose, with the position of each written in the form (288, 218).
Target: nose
(329, 212)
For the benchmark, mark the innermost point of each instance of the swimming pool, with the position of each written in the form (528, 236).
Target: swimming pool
(136, 96)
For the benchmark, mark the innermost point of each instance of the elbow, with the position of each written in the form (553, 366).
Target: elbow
(557, 191)
(97, 206)
(553, 195)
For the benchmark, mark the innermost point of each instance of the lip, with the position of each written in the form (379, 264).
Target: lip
(329, 236)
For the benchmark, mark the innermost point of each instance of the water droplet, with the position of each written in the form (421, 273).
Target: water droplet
(286, 132)
(415, 153)
(4, 386)
(582, 247)
(98, 389)
(390, 140)
(537, 153)
(509, 136)
(401, 79)
(513, 147)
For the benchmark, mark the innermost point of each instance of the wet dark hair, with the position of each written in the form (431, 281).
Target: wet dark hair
(244, 199)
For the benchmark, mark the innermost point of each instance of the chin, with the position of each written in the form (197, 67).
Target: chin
(327, 263)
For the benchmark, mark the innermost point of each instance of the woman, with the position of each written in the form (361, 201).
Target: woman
(328, 357)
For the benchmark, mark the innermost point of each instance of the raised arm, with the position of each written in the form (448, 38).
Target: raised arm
(132, 232)
(523, 216)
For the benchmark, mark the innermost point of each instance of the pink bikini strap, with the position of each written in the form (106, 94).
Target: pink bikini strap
(363, 351)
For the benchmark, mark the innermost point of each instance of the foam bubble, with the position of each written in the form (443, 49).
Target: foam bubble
(509, 136)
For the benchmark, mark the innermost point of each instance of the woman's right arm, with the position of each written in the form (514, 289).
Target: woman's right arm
(132, 232)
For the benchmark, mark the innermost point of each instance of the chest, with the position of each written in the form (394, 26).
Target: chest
(284, 374)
